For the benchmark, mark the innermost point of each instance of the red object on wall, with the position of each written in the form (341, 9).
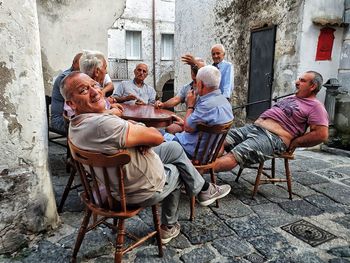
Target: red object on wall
(325, 44)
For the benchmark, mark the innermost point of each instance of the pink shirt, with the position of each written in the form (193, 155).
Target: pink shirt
(296, 114)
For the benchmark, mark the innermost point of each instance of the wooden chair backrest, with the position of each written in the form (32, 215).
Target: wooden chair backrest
(212, 139)
(97, 193)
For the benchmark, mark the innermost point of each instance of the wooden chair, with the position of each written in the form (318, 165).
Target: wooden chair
(55, 138)
(212, 139)
(270, 177)
(100, 202)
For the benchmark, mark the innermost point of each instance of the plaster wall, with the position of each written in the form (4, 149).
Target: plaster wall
(137, 16)
(230, 23)
(27, 203)
(310, 31)
(69, 26)
(344, 69)
(195, 33)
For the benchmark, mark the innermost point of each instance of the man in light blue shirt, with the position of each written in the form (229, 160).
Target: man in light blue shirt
(211, 108)
(226, 70)
(136, 91)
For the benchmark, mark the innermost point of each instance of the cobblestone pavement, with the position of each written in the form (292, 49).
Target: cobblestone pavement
(241, 230)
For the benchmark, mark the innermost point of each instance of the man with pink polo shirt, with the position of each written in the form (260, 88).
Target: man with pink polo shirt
(279, 129)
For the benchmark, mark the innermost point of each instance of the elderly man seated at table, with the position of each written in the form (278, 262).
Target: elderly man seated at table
(136, 91)
(212, 108)
(153, 174)
(279, 129)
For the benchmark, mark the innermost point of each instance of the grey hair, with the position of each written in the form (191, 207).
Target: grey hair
(66, 94)
(221, 46)
(318, 80)
(90, 60)
(210, 76)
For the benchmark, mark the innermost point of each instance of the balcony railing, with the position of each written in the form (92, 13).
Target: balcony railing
(118, 68)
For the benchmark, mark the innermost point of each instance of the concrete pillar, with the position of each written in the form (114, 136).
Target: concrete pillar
(27, 203)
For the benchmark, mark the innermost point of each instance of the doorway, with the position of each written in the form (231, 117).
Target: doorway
(262, 50)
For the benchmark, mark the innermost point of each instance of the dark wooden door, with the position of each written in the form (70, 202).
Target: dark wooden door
(262, 49)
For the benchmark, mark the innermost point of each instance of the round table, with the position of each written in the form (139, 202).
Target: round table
(148, 115)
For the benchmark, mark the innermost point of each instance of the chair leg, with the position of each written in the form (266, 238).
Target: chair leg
(118, 255)
(289, 177)
(273, 168)
(213, 180)
(192, 207)
(157, 228)
(257, 180)
(66, 190)
(239, 174)
(81, 234)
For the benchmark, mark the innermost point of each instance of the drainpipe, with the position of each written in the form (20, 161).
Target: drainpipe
(154, 41)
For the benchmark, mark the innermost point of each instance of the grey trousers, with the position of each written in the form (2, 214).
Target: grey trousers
(178, 170)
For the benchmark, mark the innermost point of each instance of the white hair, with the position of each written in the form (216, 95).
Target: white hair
(90, 60)
(221, 46)
(210, 76)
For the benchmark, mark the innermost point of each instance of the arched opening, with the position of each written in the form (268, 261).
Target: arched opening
(168, 91)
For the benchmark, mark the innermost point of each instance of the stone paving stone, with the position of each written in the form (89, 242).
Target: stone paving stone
(301, 208)
(231, 207)
(306, 257)
(339, 260)
(47, 252)
(255, 258)
(72, 219)
(326, 204)
(308, 164)
(150, 254)
(236, 260)
(272, 245)
(340, 251)
(333, 174)
(308, 178)
(250, 226)
(346, 181)
(343, 220)
(232, 247)
(299, 189)
(273, 214)
(204, 229)
(95, 244)
(345, 170)
(106, 259)
(337, 192)
(245, 195)
(273, 192)
(198, 255)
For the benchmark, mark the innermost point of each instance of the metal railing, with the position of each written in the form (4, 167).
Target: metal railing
(118, 68)
(262, 101)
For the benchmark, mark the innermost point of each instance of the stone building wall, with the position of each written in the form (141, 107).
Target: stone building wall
(69, 26)
(27, 203)
(137, 16)
(344, 68)
(230, 23)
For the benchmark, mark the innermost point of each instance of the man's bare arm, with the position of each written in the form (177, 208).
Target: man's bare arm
(316, 135)
(139, 135)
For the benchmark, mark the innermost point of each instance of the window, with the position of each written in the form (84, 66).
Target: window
(133, 44)
(167, 47)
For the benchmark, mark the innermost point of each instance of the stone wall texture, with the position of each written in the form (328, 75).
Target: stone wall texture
(69, 26)
(230, 23)
(27, 204)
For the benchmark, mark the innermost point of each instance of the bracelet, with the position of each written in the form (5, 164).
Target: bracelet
(190, 108)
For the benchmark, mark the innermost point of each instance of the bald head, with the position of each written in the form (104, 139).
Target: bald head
(75, 63)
